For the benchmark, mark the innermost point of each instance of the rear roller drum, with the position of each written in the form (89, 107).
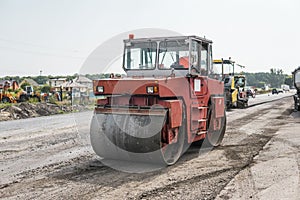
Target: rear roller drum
(172, 152)
(215, 137)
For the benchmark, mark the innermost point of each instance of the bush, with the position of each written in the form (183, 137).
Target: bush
(4, 105)
(52, 99)
(23, 86)
(33, 100)
(45, 89)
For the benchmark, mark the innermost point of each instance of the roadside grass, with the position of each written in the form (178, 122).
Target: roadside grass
(5, 105)
(263, 91)
(63, 103)
(33, 100)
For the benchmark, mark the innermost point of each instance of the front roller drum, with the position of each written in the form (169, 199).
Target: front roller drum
(134, 137)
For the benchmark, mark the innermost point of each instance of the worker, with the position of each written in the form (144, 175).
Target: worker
(60, 93)
(184, 61)
(46, 97)
(57, 96)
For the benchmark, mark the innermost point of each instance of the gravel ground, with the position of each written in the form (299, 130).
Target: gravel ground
(50, 157)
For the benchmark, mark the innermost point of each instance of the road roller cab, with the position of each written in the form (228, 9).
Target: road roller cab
(170, 97)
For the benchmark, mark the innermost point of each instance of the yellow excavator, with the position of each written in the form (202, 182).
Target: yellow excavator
(234, 84)
(19, 96)
(6, 97)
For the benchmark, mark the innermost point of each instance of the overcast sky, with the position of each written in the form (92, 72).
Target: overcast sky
(56, 36)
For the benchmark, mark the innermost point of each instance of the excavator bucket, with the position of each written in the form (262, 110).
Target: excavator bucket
(129, 134)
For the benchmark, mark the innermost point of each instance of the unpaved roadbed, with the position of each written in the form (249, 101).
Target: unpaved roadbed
(57, 162)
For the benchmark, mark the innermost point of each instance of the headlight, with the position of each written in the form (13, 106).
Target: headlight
(150, 90)
(100, 89)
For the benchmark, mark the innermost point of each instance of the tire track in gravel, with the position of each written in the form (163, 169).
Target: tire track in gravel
(238, 156)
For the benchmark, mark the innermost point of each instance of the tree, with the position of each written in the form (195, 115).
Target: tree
(272, 70)
(23, 86)
(45, 89)
(275, 78)
(40, 79)
(279, 71)
(288, 80)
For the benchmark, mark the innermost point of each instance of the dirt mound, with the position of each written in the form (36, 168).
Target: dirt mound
(28, 110)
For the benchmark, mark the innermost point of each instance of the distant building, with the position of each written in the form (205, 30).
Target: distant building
(56, 82)
(69, 86)
(84, 81)
(30, 82)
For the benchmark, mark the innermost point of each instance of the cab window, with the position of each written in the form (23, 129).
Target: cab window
(204, 59)
(215, 72)
(173, 54)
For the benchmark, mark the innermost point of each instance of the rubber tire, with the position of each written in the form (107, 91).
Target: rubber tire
(5, 100)
(23, 98)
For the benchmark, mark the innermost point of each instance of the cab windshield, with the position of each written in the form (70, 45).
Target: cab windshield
(227, 67)
(140, 55)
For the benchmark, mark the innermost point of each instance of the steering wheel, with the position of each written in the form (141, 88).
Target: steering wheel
(196, 70)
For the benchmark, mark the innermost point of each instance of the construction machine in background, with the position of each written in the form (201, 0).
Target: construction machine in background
(6, 97)
(28, 94)
(19, 95)
(234, 84)
(296, 80)
(168, 99)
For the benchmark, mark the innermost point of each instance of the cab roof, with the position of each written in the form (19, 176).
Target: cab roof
(297, 69)
(169, 38)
